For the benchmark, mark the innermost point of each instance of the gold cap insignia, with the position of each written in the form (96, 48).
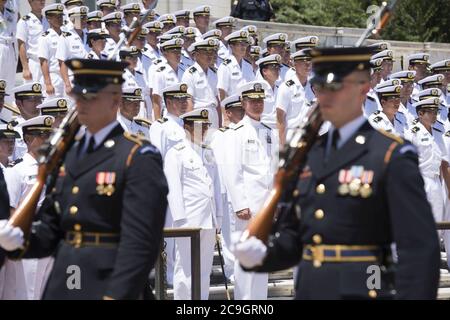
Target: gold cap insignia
(211, 42)
(36, 87)
(137, 92)
(437, 101)
(278, 58)
(206, 9)
(360, 66)
(313, 40)
(183, 88)
(257, 87)
(48, 121)
(83, 10)
(118, 15)
(60, 7)
(282, 37)
(204, 113)
(440, 78)
(2, 84)
(434, 92)
(396, 82)
(76, 64)
(389, 54)
(136, 6)
(244, 33)
(426, 57)
(9, 126)
(178, 42)
(62, 103)
(410, 75)
(398, 89)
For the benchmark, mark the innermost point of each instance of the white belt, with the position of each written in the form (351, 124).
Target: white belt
(6, 41)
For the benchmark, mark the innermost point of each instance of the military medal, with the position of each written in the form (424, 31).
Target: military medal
(355, 185)
(366, 189)
(343, 189)
(110, 179)
(100, 180)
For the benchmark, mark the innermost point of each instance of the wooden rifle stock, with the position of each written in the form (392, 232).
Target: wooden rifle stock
(292, 160)
(51, 156)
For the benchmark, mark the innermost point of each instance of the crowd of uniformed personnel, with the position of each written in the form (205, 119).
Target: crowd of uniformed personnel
(216, 102)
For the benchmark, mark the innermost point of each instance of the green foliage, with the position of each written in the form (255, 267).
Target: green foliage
(413, 20)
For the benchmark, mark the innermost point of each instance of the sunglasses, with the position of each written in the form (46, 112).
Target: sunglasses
(334, 86)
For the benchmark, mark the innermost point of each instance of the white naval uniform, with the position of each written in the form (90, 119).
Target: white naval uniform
(292, 100)
(202, 86)
(165, 76)
(380, 121)
(230, 75)
(132, 126)
(109, 48)
(186, 60)
(29, 30)
(151, 53)
(20, 147)
(48, 44)
(92, 55)
(136, 79)
(26, 278)
(8, 46)
(195, 201)
(224, 52)
(71, 45)
(164, 134)
(431, 151)
(269, 115)
(371, 104)
(250, 166)
(446, 233)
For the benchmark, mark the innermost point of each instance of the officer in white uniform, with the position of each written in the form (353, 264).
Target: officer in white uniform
(29, 30)
(249, 178)
(269, 69)
(26, 278)
(420, 63)
(168, 73)
(432, 153)
(168, 21)
(235, 71)
(107, 6)
(225, 25)
(55, 107)
(387, 64)
(252, 32)
(428, 94)
(372, 103)
(113, 24)
(94, 20)
(437, 81)
(308, 42)
(130, 11)
(189, 38)
(407, 82)
(292, 101)
(201, 16)
(129, 110)
(28, 96)
(386, 119)
(443, 67)
(47, 47)
(8, 138)
(151, 48)
(276, 44)
(96, 41)
(202, 80)
(194, 199)
(183, 17)
(5, 114)
(72, 44)
(9, 16)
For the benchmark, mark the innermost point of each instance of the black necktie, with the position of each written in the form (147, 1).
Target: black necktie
(334, 140)
(91, 145)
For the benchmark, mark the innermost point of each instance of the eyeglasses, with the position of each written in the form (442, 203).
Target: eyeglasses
(334, 86)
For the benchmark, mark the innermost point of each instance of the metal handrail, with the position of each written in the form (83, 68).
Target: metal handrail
(194, 235)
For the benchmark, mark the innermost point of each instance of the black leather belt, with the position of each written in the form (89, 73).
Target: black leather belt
(79, 239)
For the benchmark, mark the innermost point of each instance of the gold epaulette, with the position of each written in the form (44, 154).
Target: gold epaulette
(139, 140)
(392, 136)
(143, 122)
(238, 127)
(162, 120)
(12, 108)
(415, 129)
(223, 129)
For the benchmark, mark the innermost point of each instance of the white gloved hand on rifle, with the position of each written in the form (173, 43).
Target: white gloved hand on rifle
(11, 238)
(250, 252)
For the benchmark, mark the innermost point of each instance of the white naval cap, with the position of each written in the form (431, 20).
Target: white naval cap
(172, 44)
(436, 79)
(53, 105)
(227, 21)
(202, 11)
(251, 29)
(404, 76)
(55, 8)
(302, 55)
(182, 13)
(178, 90)
(231, 102)
(106, 3)
(166, 37)
(131, 8)
(379, 46)
(429, 93)
(388, 83)
(167, 18)
(179, 30)
(390, 91)
(271, 59)
(207, 44)
(29, 89)
(7, 131)
(190, 32)
(72, 2)
(305, 42)
(37, 125)
(277, 38)
(94, 16)
(418, 58)
(443, 65)
(3, 88)
(253, 90)
(132, 93)
(255, 51)
(132, 51)
(78, 11)
(197, 115)
(427, 103)
(154, 26)
(214, 33)
(385, 55)
(113, 17)
(375, 64)
(240, 35)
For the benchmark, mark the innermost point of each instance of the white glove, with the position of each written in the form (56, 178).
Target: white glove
(250, 252)
(11, 238)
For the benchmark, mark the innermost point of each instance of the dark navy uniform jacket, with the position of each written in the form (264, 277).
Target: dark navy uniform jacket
(4, 208)
(135, 211)
(397, 212)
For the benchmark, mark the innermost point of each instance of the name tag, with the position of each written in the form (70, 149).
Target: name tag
(235, 74)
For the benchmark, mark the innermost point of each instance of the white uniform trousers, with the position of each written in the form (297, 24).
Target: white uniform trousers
(8, 63)
(433, 189)
(182, 275)
(26, 279)
(35, 69)
(227, 228)
(58, 85)
(248, 285)
(169, 249)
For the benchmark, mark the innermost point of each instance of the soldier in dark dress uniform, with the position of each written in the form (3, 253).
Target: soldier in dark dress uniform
(105, 214)
(360, 191)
